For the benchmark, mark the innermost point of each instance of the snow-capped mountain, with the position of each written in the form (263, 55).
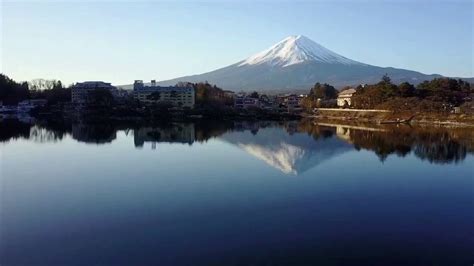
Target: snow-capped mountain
(297, 63)
(295, 50)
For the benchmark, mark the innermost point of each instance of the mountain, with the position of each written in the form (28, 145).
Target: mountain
(296, 63)
(296, 50)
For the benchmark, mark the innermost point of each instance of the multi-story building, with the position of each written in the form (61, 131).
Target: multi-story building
(80, 91)
(177, 96)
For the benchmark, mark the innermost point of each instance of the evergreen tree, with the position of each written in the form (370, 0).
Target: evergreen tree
(323, 91)
(12, 92)
(406, 89)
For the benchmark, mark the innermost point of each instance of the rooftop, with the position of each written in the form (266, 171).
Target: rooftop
(347, 92)
(89, 84)
(162, 89)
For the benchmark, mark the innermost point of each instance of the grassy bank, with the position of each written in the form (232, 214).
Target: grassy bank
(377, 117)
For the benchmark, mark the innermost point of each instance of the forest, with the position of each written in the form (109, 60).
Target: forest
(12, 92)
(440, 94)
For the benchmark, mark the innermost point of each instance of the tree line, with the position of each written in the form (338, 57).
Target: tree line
(12, 92)
(320, 95)
(433, 95)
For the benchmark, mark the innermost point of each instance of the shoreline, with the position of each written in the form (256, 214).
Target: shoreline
(370, 117)
(379, 116)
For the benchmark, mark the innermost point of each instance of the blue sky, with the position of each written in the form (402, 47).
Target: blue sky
(119, 41)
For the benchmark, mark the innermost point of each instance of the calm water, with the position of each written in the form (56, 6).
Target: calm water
(235, 194)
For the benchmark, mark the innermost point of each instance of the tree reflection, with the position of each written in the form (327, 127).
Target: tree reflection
(97, 133)
(434, 144)
(13, 129)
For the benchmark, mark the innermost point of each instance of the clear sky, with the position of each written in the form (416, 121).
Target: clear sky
(120, 41)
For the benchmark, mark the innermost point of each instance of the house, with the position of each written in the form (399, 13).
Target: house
(229, 94)
(268, 102)
(178, 96)
(27, 105)
(243, 101)
(290, 103)
(250, 102)
(344, 97)
(80, 91)
(38, 102)
(293, 103)
(8, 109)
(239, 101)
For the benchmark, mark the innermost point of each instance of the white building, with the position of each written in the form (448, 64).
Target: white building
(80, 91)
(177, 96)
(344, 97)
(28, 105)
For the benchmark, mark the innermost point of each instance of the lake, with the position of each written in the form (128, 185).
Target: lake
(235, 193)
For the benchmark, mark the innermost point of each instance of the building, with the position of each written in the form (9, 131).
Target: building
(290, 103)
(177, 96)
(28, 105)
(80, 91)
(239, 101)
(268, 102)
(229, 94)
(243, 101)
(293, 103)
(344, 97)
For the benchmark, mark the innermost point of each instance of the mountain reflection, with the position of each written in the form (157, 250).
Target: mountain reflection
(284, 147)
(291, 147)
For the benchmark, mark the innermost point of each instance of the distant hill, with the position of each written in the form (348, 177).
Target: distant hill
(297, 63)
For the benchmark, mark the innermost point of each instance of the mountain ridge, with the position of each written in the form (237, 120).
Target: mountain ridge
(297, 63)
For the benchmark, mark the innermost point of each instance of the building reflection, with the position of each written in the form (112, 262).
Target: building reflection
(174, 133)
(98, 133)
(284, 146)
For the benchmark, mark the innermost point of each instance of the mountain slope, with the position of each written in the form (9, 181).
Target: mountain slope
(294, 50)
(295, 63)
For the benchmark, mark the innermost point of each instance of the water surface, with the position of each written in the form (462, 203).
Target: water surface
(244, 193)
